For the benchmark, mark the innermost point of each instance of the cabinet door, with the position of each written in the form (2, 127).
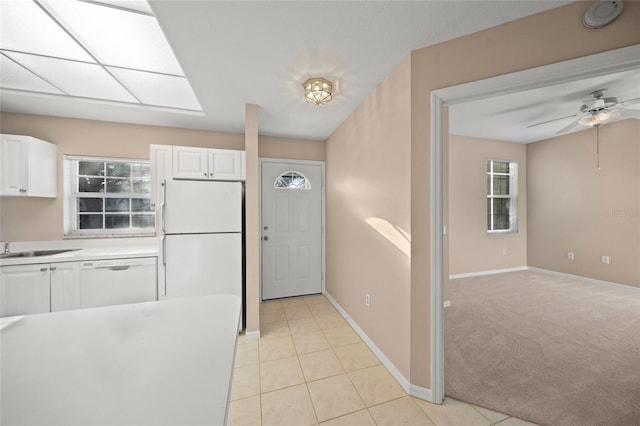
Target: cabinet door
(24, 289)
(65, 286)
(14, 169)
(190, 163)
(226, 164)
(43, 169)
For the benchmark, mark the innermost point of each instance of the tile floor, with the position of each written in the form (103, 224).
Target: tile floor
(310, 368)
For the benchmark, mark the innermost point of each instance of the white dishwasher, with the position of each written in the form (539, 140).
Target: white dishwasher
(118, 281)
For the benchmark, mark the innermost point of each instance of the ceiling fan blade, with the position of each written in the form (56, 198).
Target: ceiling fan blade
(551, 121)
(629, 113)
(569, 127)
(630, 102)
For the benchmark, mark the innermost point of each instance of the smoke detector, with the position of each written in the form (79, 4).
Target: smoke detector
(602, 13)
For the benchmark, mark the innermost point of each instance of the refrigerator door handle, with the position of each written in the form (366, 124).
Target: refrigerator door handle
(163, 291)
(163, 204)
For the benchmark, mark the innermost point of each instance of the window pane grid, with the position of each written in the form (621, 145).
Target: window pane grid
(292, 180)
(112, 196)
(501, 177)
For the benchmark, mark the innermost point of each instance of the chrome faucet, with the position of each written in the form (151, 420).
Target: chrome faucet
(6, 247)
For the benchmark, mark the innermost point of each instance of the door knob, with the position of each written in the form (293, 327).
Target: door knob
(266, 238)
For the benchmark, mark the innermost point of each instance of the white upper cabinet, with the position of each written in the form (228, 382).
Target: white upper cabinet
(208, 164)
(226, 164)
(28, 167)
(190, 163)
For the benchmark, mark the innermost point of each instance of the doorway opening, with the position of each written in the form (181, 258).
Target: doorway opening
(595, 65)
(291, 227)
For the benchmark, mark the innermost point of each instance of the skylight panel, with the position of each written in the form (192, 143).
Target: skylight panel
(17, 77)
(75, 78)
(117, 37)
(26, 27)
(111, 50)
(137, 5)
(158, 89)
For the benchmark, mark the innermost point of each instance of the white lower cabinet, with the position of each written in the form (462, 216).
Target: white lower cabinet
(61, 286)
(65, 286)
(24, 289)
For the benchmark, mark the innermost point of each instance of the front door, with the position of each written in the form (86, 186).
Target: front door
(291, 229)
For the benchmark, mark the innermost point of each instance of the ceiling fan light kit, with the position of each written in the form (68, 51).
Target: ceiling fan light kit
(598, 118)
(597, 112)
(602, 13)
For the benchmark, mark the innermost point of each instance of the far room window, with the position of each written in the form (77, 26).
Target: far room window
(107, 196)
(502, 196)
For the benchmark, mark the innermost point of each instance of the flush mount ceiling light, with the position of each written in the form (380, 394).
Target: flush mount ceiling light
(317, 90)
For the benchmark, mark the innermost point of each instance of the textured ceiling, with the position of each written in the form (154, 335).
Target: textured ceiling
(507, 117)
(238, 52)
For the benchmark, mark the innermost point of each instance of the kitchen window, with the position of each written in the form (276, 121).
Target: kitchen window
(502, 196)
(107, 196)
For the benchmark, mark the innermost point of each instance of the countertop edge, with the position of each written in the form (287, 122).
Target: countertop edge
(83, 254)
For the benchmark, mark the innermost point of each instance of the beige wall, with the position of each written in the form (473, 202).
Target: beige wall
(574, 207)
(354, 259)
(252, 216)
(549, 37)
(471, 249)
(367, 195)
(292, 149)
(32, 219)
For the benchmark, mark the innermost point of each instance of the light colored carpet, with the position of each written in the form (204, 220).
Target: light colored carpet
(543, 348)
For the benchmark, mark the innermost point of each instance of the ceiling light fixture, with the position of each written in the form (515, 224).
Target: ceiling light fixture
(317, 90)
(598, 118)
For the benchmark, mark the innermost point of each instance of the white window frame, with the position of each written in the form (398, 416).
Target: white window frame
(512, 196)
(71, 195)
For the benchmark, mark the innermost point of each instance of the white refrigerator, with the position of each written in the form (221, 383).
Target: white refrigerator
(202, 239)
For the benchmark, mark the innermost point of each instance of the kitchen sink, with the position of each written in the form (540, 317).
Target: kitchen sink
(34, 253)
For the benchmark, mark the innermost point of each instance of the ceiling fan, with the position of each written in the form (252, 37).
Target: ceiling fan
(597, 112)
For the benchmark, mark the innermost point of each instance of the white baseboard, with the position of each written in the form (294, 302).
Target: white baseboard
(420, 392)
(491, 272)
(579, 278)
(413, 390)
(252, 335)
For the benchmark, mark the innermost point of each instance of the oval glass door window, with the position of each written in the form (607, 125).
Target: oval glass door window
(292, 180)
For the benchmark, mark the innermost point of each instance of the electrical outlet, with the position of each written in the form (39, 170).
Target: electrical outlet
(447, 303)
(605, 260)
(367, 300)
(571, 256)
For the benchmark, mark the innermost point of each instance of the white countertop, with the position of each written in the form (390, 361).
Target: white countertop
(155, 363)
(89, 253)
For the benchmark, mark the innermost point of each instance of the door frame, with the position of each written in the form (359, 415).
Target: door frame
(618, 60)
(263, 160)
